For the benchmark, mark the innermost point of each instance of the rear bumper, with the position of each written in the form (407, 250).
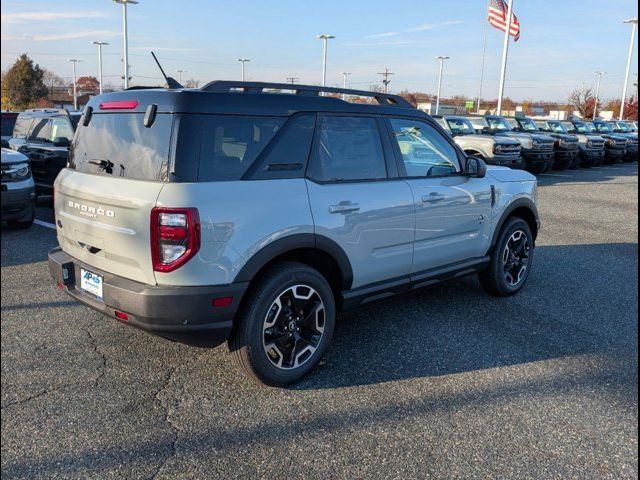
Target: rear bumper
(183, 314)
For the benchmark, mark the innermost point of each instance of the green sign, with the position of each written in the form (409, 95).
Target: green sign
(469, 104)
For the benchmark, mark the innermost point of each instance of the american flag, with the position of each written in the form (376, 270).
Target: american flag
(498, 10)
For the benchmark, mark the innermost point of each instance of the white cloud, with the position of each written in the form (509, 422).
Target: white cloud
(25, 17)
(164, 49)
(95, 34)
(420, 28)
(430, 26)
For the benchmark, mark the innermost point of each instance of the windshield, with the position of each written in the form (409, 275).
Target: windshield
(460, 126)
(602, 127)
(557, 127)
(528, 125)
(623, 127)
(478, 123)
(498, 124)
(582, 127)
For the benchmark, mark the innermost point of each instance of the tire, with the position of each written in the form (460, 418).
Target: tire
(265, 320)
(495, 279)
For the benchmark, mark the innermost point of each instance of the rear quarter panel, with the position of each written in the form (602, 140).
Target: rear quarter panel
(237, 219)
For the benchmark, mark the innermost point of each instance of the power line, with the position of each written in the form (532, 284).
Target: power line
(386, 74)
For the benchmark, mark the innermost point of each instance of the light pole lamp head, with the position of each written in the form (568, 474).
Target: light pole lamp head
(326, 36)
(244, 60)
(443, 57)
(100, 43)
(631, 20)
(125, 2)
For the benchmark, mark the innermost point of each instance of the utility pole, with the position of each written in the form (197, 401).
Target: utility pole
(180, 72)
(595, 107)
(386, 74)
(243, 61)
(292, 80)
(634, 22)
(442, 58)
(125, 38)
(325, 37)
(100, 44)
(75, 92)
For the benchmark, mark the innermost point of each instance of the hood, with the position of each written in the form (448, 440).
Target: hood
(564, 136)
(501, 140)
(11, 156)
(505, 174)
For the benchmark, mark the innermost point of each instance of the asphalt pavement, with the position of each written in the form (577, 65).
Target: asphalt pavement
(445, 383)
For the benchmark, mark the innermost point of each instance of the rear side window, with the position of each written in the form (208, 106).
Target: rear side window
(347, 149)
(61, 128)
(21, 128)
(119, 144)
(230, 144)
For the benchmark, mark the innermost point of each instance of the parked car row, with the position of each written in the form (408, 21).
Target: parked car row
(543, 144)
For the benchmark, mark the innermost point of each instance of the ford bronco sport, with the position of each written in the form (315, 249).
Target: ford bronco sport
(615, 145)
(239, 211)
(537, 148)
(493, 150)
(624, 129)
(591, 145)
(567, 152)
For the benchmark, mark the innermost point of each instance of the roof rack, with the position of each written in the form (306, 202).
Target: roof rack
(226, 86)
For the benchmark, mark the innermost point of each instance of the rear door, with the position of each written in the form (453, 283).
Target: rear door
(453, 211)
(356, 200)
(103, 201)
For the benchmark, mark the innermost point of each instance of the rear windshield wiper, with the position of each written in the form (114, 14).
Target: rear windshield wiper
(104, 165)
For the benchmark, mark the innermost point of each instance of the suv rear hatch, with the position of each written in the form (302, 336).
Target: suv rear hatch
(103, 200)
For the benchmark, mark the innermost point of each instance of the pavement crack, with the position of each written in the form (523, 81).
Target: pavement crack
(164, 405)
(26, 399)
(102, 367)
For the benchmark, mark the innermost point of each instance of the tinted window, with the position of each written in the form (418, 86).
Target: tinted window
(41, 131)
(348, 148)
(21, 128)
(425, 152)
(8, 121)
(118, 144)
(230, 144)
(61, 128)
(460, 126)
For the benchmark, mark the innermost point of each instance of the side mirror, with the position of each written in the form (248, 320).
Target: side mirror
(486, 130)
(61, 142)
(475, 168)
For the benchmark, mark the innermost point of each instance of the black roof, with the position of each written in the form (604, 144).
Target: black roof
(254, 98)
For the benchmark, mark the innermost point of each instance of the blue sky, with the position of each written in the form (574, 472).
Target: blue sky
(563, 42)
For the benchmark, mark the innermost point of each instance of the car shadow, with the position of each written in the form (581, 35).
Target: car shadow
(456, 327)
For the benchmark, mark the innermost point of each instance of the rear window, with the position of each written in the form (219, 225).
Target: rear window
(8, 121)
(119, 144)
(21, 128)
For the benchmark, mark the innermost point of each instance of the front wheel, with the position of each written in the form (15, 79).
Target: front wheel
(511, 260)
(285, 326)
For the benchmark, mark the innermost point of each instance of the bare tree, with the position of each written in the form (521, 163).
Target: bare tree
(192, 83)
(583, 101)
(51, 80)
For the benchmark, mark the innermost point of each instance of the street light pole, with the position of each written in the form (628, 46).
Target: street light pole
(634, 22)
(180, 72)
(100, 44)
(442, 59)
(75, 92)
(595, 107)
(325, 37)
(125, 38)
(243, 61)
(344, 83)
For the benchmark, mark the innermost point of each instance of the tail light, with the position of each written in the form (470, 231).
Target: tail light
(175, 237)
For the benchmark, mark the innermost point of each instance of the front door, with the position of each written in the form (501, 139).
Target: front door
(453, 211)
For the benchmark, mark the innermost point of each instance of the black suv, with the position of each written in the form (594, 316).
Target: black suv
(45, 135)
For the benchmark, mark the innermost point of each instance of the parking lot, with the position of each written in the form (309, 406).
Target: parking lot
(445, 383)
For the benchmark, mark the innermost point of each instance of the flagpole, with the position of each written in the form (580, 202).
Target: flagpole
(484, 55)
(505, 53)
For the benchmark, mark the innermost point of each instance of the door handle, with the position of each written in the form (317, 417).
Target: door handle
(433, 197)
(344, 207)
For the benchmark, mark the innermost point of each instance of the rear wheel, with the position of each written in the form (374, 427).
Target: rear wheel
(285, 326)
(511, 260)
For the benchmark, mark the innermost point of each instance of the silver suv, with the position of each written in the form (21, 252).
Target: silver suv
(239, 212)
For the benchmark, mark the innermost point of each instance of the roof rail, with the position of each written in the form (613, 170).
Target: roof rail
(63, 111)
(226, 86)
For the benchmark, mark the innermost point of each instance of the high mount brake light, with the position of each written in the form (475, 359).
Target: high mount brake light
(175, 237)
(119, 105)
